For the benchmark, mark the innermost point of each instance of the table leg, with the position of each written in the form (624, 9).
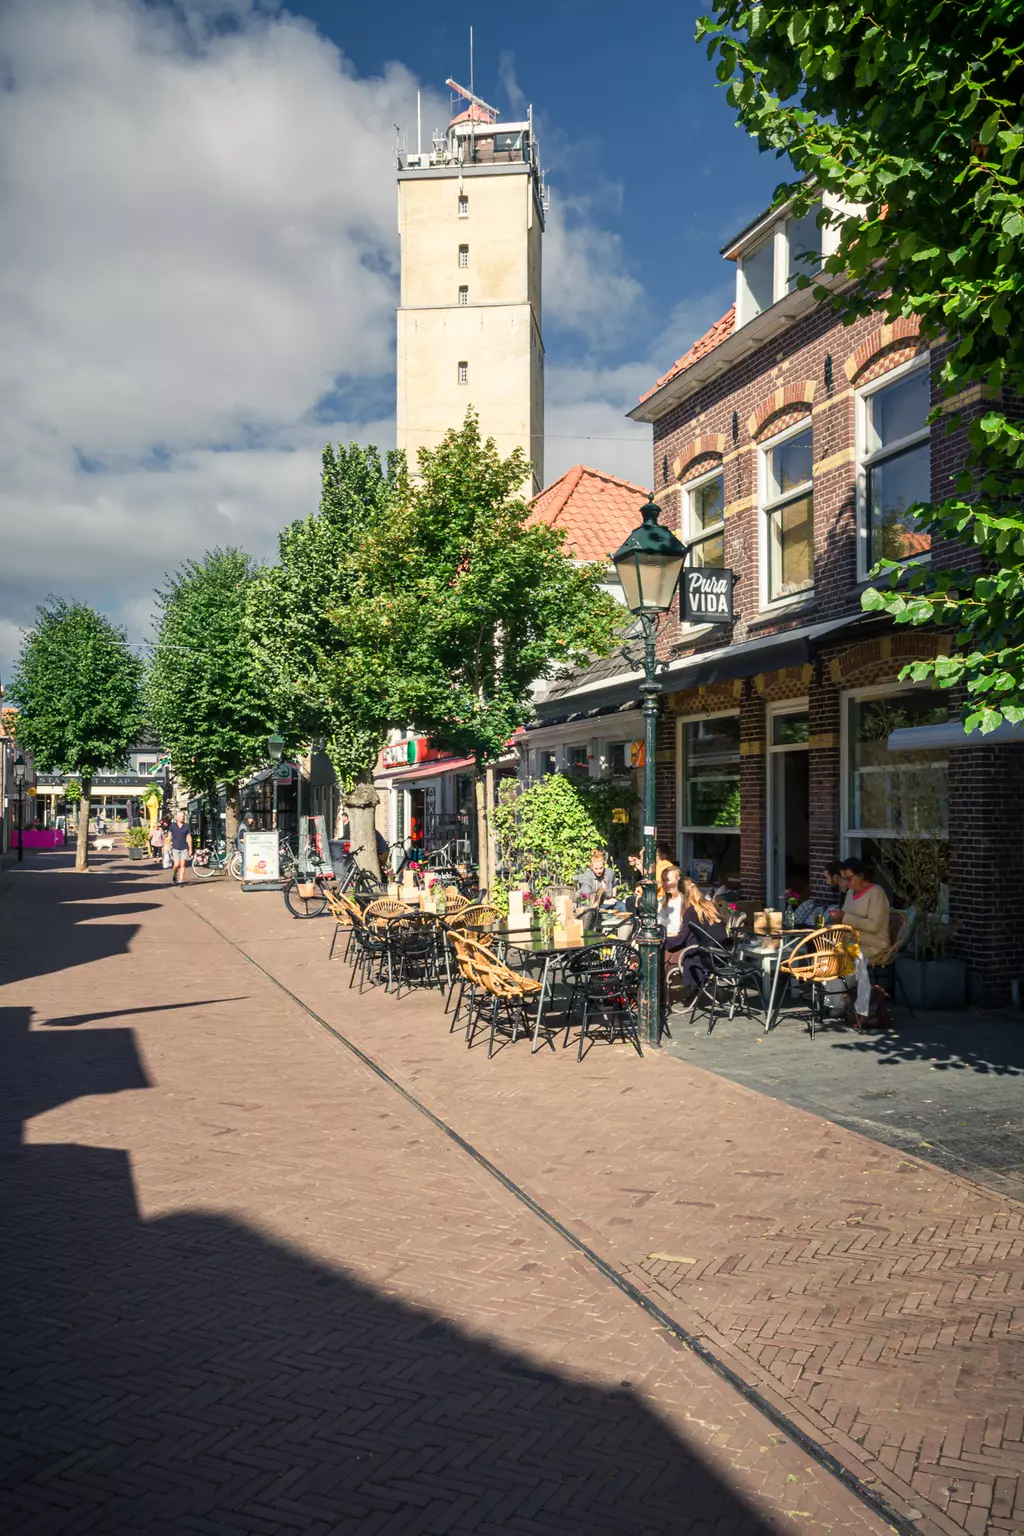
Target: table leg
(775, 983)
(540, 1005)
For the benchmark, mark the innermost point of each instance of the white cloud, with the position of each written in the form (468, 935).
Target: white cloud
(587, 285)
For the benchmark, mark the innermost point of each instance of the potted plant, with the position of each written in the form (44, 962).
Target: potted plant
(929, 976)
(137, 840)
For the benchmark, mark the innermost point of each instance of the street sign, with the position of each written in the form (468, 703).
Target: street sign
(706, 595)
(283, 773)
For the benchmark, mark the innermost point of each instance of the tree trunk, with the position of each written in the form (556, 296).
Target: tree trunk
(231, 814)
(82, 851)
(492, 856)
(482, 830)
(361, 803)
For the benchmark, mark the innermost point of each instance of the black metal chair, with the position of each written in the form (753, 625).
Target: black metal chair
(413, 950)
(604, 979)
(727, 985)
(371, 955)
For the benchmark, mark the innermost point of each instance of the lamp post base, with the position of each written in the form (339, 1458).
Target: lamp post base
(649, 945)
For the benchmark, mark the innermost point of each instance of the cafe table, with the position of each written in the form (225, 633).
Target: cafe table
(534, 945)
(771, 946)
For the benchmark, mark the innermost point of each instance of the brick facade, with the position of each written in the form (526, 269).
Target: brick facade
(813, 370)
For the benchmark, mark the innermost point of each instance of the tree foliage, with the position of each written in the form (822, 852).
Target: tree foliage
(545, 834)
(207, 696)
(77, 684)
(915, 114)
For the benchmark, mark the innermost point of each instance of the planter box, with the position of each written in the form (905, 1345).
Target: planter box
(932, 984)
(136, 853)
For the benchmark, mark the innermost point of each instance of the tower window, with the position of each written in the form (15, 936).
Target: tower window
(463, 206)
(463, 373)
(463, 255)
(464, 294)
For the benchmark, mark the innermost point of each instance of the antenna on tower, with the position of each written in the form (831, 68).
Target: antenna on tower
(471, 91)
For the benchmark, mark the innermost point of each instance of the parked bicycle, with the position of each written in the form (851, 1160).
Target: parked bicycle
(304, 894)
(216, 859)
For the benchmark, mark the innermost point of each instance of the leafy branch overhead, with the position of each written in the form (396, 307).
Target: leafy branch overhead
(914, 114)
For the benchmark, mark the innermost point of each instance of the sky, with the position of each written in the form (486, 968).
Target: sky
(198, 254)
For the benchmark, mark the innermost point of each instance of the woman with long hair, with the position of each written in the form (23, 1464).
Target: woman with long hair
(690, 919)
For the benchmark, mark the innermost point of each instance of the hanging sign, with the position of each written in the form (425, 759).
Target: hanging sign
(262, 860)
(636, 754)
(706, 595)
(283, 773)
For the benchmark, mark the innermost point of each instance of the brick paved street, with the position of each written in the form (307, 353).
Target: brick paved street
(876, 1300)
(247, 1288)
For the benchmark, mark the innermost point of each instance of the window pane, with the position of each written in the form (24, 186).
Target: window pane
(790, 730)
(896, 792)
(898, 410)
(759, 278)
(722, 848)
(789, 465)
(707, 504)
(711, 759)
(791, 548)
(893, 486)
(709, 551)
(804, 236)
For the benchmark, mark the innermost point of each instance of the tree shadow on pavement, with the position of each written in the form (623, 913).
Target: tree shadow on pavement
(971, 1044)
(67, 920)
(190, 1374)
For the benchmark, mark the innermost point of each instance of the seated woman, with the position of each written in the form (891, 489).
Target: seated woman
(866, 908)
(689, 918)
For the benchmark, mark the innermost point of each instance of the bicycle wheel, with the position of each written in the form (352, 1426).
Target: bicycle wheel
(235, 866)
(365, 884)
(303, 906)
(204, 871)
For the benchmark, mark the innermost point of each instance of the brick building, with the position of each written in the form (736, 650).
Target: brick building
(786, 449)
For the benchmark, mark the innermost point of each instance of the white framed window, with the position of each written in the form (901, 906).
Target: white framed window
(768, 270)
(464, 294)
(886, 796)
(463, 373)
(704, 519)
(708, 793)
(894, 464)
(787, 823)
(463, 205)
(463, 255)
(787, 504)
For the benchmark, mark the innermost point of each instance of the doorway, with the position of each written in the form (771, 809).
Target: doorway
(789, 864)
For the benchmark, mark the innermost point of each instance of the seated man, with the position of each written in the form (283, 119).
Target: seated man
(596, 884)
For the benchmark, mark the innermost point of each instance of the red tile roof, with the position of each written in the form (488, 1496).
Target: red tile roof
(596, 510)
(707, 343)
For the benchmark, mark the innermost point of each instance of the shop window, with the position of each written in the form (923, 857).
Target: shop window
(705, 520)
(788, 503)
(896, 465)
(894, 795)
(710, 794)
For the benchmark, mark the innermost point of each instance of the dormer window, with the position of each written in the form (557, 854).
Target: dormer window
(769, 268)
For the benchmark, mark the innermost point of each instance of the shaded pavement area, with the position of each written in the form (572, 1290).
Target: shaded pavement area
(948, 1088)
(248, 1288)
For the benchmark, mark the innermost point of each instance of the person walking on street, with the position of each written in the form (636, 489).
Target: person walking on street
(156, 841)
(181, 847)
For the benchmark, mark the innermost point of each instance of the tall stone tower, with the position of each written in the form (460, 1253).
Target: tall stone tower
(471, 220)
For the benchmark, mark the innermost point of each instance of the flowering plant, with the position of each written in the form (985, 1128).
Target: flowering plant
(792, 897)
(415, 866)
(731, 905)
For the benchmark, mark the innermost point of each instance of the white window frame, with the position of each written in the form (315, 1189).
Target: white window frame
(773, 882)
(463, 205)
(866, 460)
(779, 235)
(847, 834)
(793, 599)
(463, 253)
(691, 534)
(683, 828)
(463, 372)
(463, 295)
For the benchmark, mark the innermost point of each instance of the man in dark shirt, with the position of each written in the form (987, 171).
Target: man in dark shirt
(181, 848)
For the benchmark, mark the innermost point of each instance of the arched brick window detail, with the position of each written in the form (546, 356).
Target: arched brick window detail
(790, 397)
(707, 445)
(906, 329)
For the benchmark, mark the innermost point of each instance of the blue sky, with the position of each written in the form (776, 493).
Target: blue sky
(198, 276)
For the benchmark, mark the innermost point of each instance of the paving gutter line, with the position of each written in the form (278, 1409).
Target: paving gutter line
(690, 1341)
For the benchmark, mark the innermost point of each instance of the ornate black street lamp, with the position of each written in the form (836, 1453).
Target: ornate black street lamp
(275, 746)
(648, 566)
(19, 779)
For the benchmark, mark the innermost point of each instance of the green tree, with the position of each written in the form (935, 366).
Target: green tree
(915, 114)
(321, 632)
(77, 684)
(545, 834)
(207, 696)
(488, 603)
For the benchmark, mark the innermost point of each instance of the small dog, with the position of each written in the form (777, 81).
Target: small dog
(103, 842)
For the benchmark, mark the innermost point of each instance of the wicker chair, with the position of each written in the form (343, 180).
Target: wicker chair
(459, 948)
(500, 992)
(479, 916)
(821, 956)
(345, 913)
(383, 909)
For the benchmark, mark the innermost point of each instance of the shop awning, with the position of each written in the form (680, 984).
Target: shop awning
(791, 648)
(951, 733)
(427, 770)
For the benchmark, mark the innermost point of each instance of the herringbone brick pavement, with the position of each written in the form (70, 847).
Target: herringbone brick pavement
(876, 1299)
(247, 1288)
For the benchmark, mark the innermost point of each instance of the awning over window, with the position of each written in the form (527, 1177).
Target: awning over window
(950, 733)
